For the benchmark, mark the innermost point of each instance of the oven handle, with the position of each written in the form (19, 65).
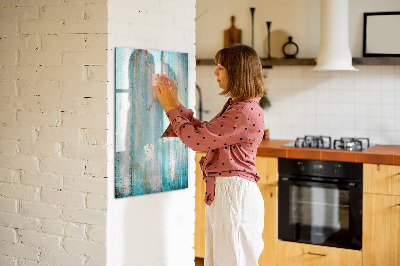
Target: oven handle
(297, 181)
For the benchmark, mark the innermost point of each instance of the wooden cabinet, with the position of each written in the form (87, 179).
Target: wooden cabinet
(381, 215)
(381, 179)
(200, 207)
(381, 230)
(298, 254)
(270, 233)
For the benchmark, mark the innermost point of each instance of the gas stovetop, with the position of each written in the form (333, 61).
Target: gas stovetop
(325, 142)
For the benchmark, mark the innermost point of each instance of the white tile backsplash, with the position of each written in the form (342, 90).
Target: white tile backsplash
(364, 103)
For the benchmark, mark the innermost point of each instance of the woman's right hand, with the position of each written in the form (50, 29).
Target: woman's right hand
(174, 90)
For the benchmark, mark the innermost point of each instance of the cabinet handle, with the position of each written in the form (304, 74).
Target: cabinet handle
(318, 254)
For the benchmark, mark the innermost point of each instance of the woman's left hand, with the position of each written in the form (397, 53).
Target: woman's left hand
(164, 94)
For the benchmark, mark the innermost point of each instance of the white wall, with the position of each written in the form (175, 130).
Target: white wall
(53, 106)
(155, 229)
(338, 104)
(298, 18)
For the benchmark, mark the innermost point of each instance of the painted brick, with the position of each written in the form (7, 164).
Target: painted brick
(53, 227)
(75, 230)
(87, 88)
(19, 250)
(86, 184)
(40, 27)
(19, 43)
(63, 104)
(7, 175)
(84, 216)
(17, 191)
(39, 87)
(84, 26)
(30, 2)
(8, 234)
(63, 197)
(60, 73)
(26, 262)
(84, 247)
(7, 88)
(8, 261)
(19, 13)
(40, 58)
(98, 73)
(89, 57)
(35, 239)
(98, 121)
(26, 103)
(62, 12)
(19, 221)
(100, 260)
(95, 168)
(95, 201)
(18, 161)
(67, 135)
(8, 146)
(62, 166)
(69, 42)
(7, 117)
(38, 209)
(39, 148)
(18, 72)
(41, 179)
(8, 58)
(60, 258)
(97, 234)
(85, 152)
(8, 205)
(97, 11)
(16, 132)
(39, 118)
(96, 136)
(98, 42)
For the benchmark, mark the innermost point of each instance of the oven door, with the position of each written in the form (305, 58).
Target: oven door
(320, 212)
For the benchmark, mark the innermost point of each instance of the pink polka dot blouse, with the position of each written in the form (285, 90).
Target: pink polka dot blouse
(231, 139)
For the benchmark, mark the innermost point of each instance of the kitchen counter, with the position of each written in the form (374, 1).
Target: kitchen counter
(379, 154)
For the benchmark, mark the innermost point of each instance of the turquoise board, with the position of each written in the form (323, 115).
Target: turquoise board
(144, 162)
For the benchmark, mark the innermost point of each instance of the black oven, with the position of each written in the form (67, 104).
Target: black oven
(320, 202)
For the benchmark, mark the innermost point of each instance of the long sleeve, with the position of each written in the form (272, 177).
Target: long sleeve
(223, 131)
(186, 113)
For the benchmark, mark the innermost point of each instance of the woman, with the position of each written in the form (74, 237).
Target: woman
(235, 207)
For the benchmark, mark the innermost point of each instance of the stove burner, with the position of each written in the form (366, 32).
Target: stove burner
(351, 144)
(308, 141)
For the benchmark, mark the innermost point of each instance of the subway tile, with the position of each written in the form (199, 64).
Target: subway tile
(388, 110)
(374, 97)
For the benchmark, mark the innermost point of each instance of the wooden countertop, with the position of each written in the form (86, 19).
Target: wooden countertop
(379, 154)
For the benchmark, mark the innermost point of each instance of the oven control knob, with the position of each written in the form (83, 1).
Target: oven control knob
(336, 169)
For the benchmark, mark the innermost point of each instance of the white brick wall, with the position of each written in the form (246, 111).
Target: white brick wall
(53, 109)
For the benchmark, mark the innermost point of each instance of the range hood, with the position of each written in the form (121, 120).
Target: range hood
(334, 51)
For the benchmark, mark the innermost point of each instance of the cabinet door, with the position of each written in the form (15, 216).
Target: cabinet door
(381, 230)
(267, 168)
(270, 233)
(200, 207)
(381, 179)
(297, 254)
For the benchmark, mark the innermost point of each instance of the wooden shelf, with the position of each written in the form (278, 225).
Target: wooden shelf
(312, 61)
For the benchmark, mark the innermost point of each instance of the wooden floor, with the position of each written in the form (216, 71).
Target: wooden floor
(199, 262)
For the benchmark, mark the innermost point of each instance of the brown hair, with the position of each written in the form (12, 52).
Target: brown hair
(245, 78)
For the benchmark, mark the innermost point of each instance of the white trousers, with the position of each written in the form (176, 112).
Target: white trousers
(234, 223)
